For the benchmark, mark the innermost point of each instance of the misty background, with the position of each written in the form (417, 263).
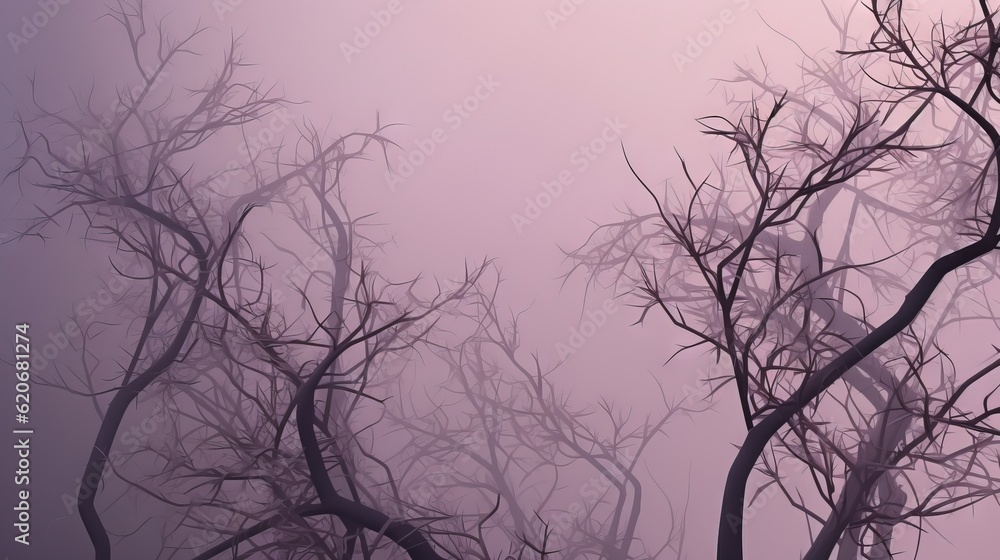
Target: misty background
(536, 84)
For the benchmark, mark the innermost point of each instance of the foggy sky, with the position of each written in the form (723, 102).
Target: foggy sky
(556, 85)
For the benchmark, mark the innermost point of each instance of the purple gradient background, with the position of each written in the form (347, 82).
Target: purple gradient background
(608, 60)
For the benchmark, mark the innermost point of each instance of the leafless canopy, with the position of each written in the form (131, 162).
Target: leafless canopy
(847, 235)
(276, 363)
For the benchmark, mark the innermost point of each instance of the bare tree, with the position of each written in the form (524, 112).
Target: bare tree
(834, 197)
(518, 445)
(138, 191)
(284, 429)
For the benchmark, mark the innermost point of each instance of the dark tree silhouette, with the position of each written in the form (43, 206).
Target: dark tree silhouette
(842, 238)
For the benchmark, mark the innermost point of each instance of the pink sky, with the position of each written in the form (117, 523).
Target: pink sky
(555, 88)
